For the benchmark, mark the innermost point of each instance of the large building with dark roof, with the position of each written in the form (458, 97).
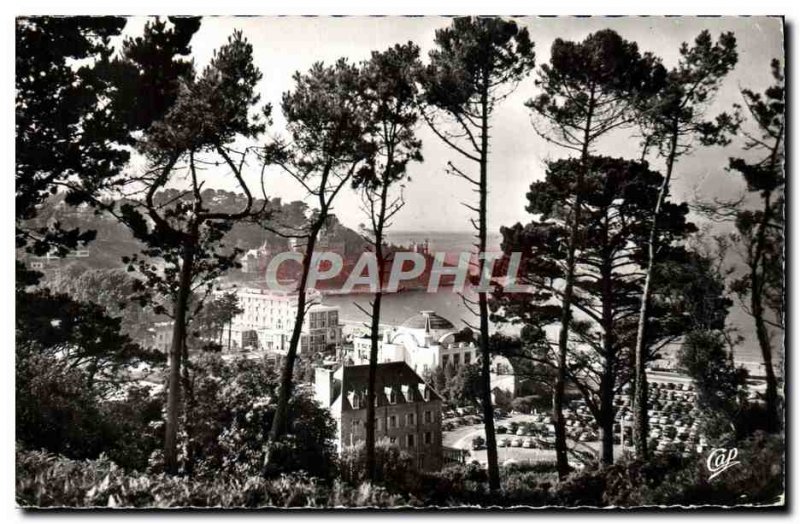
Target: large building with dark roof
(408, 411)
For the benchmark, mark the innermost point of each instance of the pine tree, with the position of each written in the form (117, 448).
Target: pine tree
(389, 84)
(182, 233)
(328, 123)
(617, 196)
(673, 121)
(477, 62)
(590, 88)
(761, 232)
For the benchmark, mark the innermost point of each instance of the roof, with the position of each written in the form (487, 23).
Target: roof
(428, 320)
(397, 377)
(388, 374)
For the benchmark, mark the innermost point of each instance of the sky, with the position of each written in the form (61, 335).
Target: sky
(284, 45)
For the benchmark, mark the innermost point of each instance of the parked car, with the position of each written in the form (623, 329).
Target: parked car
(527, 443)
(516, 443)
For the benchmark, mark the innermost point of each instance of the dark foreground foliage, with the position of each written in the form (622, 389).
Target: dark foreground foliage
(47, 480)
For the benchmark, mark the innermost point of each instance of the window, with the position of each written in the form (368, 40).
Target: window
(377, 424)
(467, 357)
(428, 417)
(393, 440)
(428, 437)
(410, 419)
(456, 359)
(393, 421)
(410, 441)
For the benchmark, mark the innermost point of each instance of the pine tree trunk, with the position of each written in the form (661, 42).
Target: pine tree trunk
(175, 357)
(279, 422)
(562, 463)
(374, 339)
(640, 394)
(608, 378)
(483, 308)
(757, 308)
(607, 382)
(188, 408)
(607, 417)
(371, 394)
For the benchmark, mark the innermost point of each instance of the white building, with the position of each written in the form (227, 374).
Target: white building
(426, 341)
(267, 321)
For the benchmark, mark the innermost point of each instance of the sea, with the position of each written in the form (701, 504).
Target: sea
(397, 307)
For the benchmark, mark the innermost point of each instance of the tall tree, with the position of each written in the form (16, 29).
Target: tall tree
(761, 231)
(674, 121)
(477, 62)
(617, 198)
(389, 84)
(70, 129)
(66, 139)
(328, 123)
(215, 315)
(183, 236)
(590, 88)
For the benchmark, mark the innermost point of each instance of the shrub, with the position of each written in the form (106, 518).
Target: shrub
(525, 404)
(58, 410)
(46, 480)
(365, 495)
(230, 417)
(758, 479)
(394, 467)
